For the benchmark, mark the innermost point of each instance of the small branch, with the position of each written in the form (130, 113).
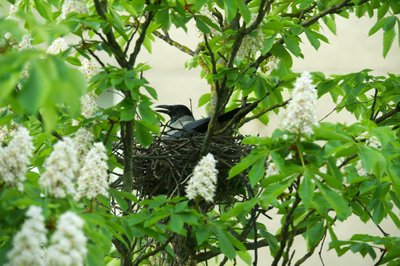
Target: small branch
(266, 110)
(388, 114)
(285, 230)
(374, 105)
(140, 40)
(128, 44)
(370, 216)
(320, 250)
(111, 40)
(333, 9)
(381, 257)
(175, 44)
(151, 253)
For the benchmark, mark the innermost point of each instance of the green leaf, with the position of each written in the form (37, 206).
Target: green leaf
(257, 172)
(244, 11)
(330, 23)
(293, 45)
(272, 191)
(373, 161)
(336, 201)
(312, 38)
(225, 244)
(268, 43)
(142, 134)
(388, 38)
(245, 163)
(239, 208)
(175, 223)
(306, 189)
(314, 234)
(205, 98)
(376, 27)
(230, 7)
(37, 88)
(202, 26)
(44, 9)
(389, 23)
(119, 198)
(202, 234)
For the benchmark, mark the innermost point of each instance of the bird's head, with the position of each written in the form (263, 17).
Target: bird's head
(174, 111)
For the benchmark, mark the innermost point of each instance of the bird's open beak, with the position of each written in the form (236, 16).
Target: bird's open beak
(163, 109)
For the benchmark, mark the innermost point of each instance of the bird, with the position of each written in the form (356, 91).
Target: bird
(183, 123)
(180, 116)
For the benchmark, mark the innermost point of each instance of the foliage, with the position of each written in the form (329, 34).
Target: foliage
(245, 55)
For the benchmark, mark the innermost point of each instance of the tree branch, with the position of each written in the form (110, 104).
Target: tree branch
(151, 253)
(388, 114)
(101, 8)
(140, 40)
(175, 44)
(333, 9)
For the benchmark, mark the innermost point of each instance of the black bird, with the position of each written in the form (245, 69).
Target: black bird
(182, 122)
(180, 116)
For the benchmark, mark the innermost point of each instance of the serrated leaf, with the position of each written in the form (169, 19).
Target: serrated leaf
(306, 189)
(330, 23)
(373, 161)
(312, 38)
(202, 26)
(230, 7)
(314, 234)
(272, 191)
(244, 11)
(388, 38)
(336, 201)
(225, 244)
(257, 172)
(376, 27)
(205, 98)
(245, 163)
(389, 23)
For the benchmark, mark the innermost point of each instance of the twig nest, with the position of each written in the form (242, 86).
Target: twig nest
(166, 166)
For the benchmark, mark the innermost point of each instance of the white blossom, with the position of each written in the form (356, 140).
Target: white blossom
(88, 104)
(73, 6)
(58, 45)
(15, 157)
(272, 64)
(89, 68)
(301, 113)
(28, 242)
(68, 243)
(12, 13)
(61, 167)
(83, 139)
(26, 42)
(360, 169)
(93, 179)
(272, 169)
(204, 179)
(251, 44)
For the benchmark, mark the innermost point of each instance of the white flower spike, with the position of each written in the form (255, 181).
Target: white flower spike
(204, 179)
(301, 113)
(28, 242)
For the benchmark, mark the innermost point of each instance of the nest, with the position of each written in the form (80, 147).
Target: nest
(166, 165)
